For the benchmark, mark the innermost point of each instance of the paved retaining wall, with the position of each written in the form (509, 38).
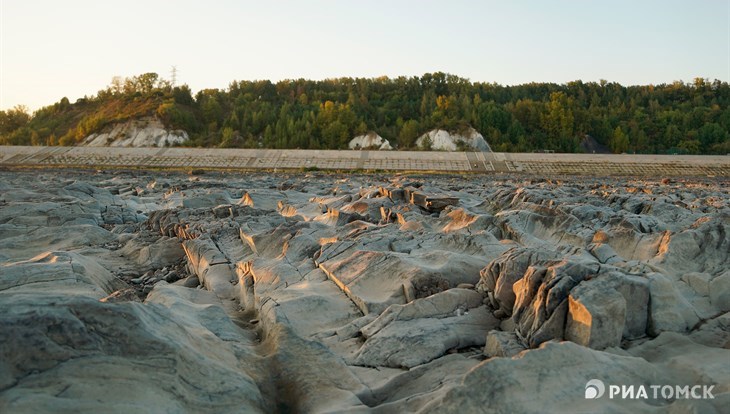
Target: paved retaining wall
(484, 162)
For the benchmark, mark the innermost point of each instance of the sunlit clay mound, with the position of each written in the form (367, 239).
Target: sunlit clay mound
(324, 293)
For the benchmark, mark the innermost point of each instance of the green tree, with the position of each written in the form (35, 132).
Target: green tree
(20, 136)
(672, 136)
(711, 134)
(212, 110)
(690, 146)
(183, 95)
(408, 134)
(146, 82)
(227, 137)
(557, 120)
(619, 142)
(13, 119)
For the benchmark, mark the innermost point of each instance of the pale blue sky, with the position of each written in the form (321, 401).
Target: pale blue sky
(50, 49)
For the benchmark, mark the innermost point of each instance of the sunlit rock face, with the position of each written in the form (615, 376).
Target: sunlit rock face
(225, 292)
(143, 132)
(371, 140)
(441, 140)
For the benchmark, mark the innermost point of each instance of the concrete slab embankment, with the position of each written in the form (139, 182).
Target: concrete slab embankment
(264, 159)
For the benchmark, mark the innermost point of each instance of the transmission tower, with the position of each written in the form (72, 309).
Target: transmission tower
(174, 75)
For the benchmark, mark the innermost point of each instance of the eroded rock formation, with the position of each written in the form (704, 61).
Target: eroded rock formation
(143, 132)
(439, 139)
(371, 140)
(319, 293)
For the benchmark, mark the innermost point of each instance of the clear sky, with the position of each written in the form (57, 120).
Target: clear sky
(52, 48)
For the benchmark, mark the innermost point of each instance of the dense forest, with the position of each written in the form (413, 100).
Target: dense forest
(689, 118)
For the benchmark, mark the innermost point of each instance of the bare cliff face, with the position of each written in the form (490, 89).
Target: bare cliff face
(145, 132)
(223, 292)
(441, 140)
(371, 140)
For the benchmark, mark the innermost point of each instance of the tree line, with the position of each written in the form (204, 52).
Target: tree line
(691, 118)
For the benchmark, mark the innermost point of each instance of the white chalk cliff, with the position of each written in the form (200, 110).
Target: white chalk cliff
(445, 141)
(369, 140)
(145, 132)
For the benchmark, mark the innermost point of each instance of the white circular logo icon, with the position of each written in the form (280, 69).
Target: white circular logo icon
(594, 389)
